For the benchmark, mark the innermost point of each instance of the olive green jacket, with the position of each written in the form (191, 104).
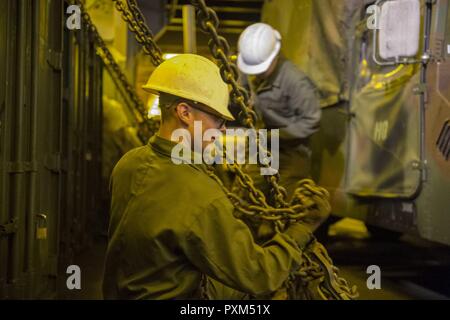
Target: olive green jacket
(172, 223)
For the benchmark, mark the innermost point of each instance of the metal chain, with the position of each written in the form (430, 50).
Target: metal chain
(135, 20)
(317, 265)
(146, 126)
(295, 212)
(220, 50)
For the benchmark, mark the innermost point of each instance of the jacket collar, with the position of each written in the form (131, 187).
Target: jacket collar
(164, 147)
(161, 145)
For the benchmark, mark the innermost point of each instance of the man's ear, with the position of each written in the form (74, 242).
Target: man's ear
(184, 113)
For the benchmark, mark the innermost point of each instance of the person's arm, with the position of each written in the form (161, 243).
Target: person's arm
(303, 99)
(223, 247)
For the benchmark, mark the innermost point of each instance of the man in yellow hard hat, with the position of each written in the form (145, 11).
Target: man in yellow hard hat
(172, 226)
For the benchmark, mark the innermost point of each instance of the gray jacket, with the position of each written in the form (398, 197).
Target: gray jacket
(287, 100)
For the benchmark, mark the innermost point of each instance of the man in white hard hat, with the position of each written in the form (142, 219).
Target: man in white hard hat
(284, 98)
(172, 225)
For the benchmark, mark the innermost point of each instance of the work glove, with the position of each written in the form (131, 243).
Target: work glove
(301, 233)
(317, 213)
(298, 231)
(314, 199)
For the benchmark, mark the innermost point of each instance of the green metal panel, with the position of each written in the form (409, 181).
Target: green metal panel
(15, 145)
(50, 138)
(82, 117)
(6, 33)
(49, 144)
(4, 143)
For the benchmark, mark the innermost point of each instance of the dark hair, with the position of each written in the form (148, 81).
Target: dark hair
(166, 103)
(167, 100)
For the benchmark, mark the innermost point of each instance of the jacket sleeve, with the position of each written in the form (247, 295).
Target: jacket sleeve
(303, 99)
(222, 247)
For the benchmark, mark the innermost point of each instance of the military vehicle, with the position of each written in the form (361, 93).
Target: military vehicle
(382, 69)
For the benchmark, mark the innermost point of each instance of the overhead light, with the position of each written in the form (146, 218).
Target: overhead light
(153, 106)
(168, 56)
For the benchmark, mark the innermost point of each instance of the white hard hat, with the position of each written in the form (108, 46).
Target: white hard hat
(258, 46)
(192, 77)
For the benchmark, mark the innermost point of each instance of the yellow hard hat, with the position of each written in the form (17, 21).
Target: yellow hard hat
(192, 77)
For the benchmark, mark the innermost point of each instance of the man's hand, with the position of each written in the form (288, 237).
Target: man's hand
(301, 233)
(315, 201)
(318, 213)
(266, 230)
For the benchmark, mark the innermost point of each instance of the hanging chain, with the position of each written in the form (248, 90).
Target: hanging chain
(220, 50)
(146, 126)
(135, 20)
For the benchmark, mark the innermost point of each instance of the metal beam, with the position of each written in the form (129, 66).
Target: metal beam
(189, 31)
